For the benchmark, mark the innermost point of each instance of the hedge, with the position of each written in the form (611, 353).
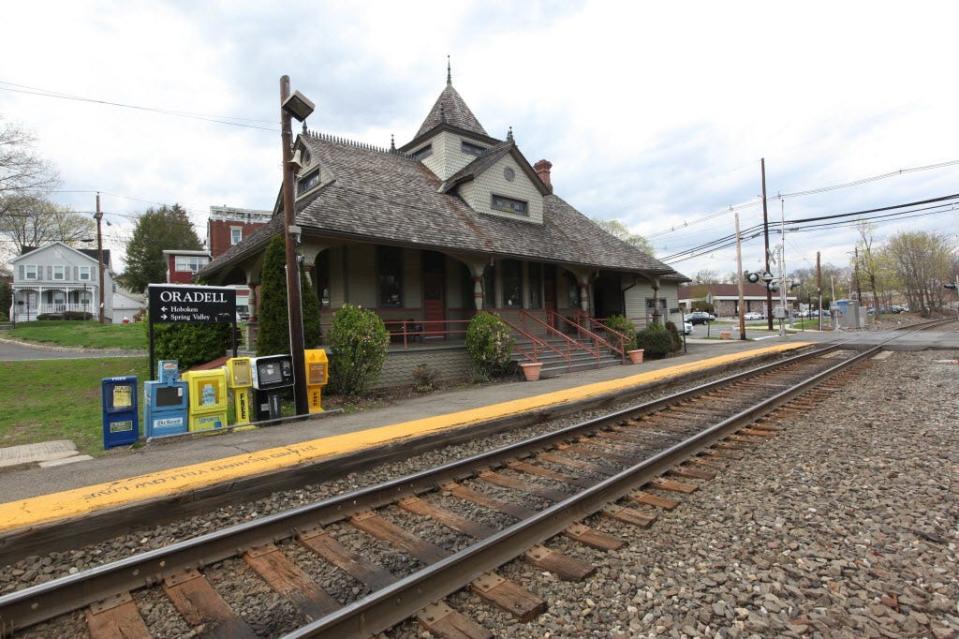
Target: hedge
(621, 324)
(655, 341)
(489, 343)
(358, 341)
(191, 344)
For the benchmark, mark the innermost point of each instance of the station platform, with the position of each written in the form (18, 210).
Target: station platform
(34, 496)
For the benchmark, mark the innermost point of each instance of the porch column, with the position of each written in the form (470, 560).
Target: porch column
(253, 302)
(478, 292)
(39, 300)
(656, 313)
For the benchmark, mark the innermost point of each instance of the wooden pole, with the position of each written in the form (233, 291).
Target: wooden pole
(819, 286)
(769, 294)
(294, 308)
(99, 218)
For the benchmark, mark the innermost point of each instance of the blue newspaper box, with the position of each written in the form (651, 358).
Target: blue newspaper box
(121, 425)
(166, 399)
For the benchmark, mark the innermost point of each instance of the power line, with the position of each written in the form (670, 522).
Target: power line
(216, 119)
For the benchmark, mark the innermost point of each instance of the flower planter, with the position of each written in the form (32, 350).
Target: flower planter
(635, 356)
(531, 370)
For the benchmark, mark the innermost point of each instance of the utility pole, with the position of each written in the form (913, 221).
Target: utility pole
(783, 288)
(739, 281)
(769, 294)
(832, 293)
(856, 268)
(294, 308)
(819, 287)
(99, 218)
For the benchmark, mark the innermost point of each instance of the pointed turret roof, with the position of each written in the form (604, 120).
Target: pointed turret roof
(450, 108)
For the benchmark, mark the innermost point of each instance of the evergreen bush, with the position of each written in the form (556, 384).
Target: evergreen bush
(655, 341)
(675, 336)
(190, 344)
(489, 344)
(358, 340)
(273, 333)
(620, 324)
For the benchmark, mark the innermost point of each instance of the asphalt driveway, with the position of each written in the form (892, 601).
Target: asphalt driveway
(11, 351)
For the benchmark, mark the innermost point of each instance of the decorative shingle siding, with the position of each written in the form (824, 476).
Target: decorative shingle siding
(493, 181)
(451, 365)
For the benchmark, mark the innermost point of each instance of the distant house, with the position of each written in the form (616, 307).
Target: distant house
(126, 305)
(725, 298)
(182, 265)
(54, 279)
(228, 226)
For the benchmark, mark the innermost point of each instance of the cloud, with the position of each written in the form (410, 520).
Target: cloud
(653, 114)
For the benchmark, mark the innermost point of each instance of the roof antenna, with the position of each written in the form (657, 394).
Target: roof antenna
(449, 70)
(509, 134)
(392, 144)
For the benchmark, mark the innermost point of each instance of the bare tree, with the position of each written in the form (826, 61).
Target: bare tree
(705, 276)
(35, 221)
(23, 172)
(922, 262)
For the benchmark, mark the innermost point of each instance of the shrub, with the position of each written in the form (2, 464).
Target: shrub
(703, 305)
(489, 344)
(620, 324)
(424, 378)
(655, 341)
(190, 344)
(273, 334)
(675, 336)
(3, 316)
(358, 340)
(77, 315)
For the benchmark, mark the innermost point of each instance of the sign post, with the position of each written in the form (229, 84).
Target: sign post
(189, 304)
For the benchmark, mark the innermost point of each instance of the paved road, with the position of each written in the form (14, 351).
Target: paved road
(11, 352)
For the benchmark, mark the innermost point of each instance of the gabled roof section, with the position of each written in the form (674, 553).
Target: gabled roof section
(387, 197)
(88, 253)
(450, 108)
(487, 161)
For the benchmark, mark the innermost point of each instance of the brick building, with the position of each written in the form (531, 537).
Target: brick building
(228, 226)
(725, 298)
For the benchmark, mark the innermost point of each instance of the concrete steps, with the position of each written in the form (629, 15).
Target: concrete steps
(581, 358)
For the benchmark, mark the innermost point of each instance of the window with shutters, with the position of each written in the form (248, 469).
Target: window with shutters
(59, 272)
(85, 274)
(30, 272)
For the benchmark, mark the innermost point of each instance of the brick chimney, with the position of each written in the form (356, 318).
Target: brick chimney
(542, 170)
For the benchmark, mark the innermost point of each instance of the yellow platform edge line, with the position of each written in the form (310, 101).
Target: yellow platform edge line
(173, 481)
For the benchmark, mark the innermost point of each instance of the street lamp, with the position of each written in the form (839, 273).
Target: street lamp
(300, 107)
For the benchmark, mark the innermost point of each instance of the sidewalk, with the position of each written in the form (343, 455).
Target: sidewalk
(178, 467)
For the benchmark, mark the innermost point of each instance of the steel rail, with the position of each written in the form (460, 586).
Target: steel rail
(44, 601)
(391, 605)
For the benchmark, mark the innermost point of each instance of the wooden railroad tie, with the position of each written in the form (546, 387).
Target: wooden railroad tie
(200, 605)
(116, 617)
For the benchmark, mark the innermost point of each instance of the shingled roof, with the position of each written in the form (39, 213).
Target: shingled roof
(388, 197)
(450, 108)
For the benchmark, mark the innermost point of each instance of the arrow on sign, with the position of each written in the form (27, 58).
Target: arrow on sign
(163, 308)
(163, 317)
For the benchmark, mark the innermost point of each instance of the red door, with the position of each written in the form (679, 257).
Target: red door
(549, 290)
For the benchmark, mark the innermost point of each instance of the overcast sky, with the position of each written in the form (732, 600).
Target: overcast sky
(655, 114)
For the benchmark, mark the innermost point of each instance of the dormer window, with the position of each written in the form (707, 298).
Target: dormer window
(309, 182)
(423, 153)
(472, 149)
(509, 205)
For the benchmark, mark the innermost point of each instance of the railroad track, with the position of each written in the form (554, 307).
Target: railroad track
(926, 325)
(625, 465)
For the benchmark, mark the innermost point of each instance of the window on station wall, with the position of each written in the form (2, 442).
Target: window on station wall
(572, 288)
(389, 275)
(509, 205)
(322, 271)
(651, 304)
(512, 284)
(308, 182)
(536, 286)
(489, 287)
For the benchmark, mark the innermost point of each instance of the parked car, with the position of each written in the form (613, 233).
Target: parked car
(753, 315)
(687, 328)
(699, 317)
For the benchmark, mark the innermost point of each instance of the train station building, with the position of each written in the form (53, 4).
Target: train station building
(453, 221)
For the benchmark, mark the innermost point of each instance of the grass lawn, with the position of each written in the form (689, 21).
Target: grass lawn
(83, 334)
(60, 399)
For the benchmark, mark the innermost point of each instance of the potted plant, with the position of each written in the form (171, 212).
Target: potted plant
(531, 370)
(635, 355)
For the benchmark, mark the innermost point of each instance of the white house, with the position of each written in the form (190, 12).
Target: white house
(55, 279)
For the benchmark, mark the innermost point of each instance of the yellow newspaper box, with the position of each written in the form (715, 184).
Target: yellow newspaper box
(239, 379)
(208, 399)
(317, 374)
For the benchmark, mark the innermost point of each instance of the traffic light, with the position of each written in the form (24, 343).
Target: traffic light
(752, 278)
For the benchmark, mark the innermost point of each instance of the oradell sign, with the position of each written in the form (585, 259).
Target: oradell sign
(185, 304)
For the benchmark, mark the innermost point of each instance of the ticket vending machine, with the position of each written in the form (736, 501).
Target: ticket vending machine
(121, 425)
(166, 402)
(317, 374)
(208, 400)
(239, 379)
(272, 374)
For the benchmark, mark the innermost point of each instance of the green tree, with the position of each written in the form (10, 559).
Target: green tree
(619, 230)
(273, 335)
(157, 230)
(5, 298)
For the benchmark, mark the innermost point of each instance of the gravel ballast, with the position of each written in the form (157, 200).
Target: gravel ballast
(843, 525)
